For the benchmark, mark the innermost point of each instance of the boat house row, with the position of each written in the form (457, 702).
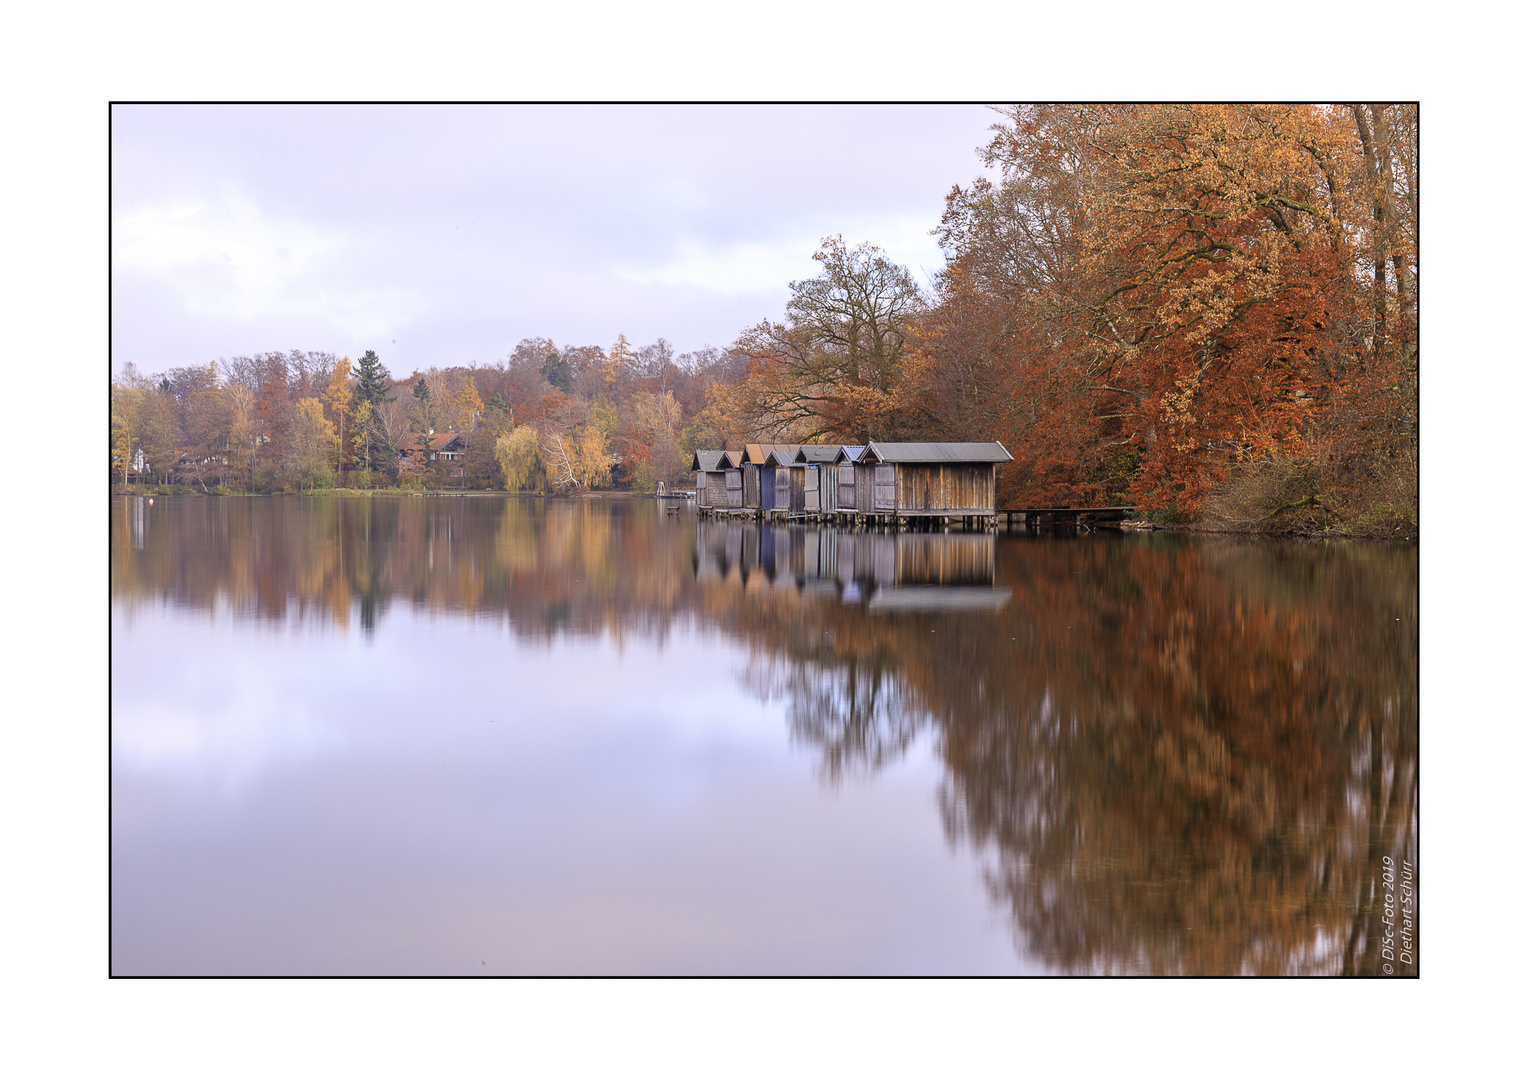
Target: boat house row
(877, 481)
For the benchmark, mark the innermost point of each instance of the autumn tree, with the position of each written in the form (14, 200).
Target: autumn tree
(591, 458)
(655, 365)
(619, 364)
(340, 397)
(421, 407)
(186, 382)
(481, 464)
(158, 432)
(559, 457)
(652, 440)
(589, 368)
(313, 439)
(1154, 296)
(207, 427)
(125, 437)
(466, 405)
(242, 436)
(519, 455)
(832, 368)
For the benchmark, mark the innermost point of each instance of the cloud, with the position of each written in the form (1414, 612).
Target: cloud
(752, 267)
(740, 268)
(228, 258)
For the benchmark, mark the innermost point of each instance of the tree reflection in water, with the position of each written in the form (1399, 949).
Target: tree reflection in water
(1179, 756)
(1175, 755)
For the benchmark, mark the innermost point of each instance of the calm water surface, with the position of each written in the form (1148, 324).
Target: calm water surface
(491, 736)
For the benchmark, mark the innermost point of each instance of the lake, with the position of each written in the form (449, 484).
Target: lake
(493, 736)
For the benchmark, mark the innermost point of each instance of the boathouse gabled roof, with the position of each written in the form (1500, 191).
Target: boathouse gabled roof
(850, 453)
(712, 461)
(936, 453)
(818, 453)
(784, 455)
(757, 453)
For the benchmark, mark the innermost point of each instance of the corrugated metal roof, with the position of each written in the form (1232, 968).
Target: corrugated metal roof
(756, 453)
(853, 453)
(818, 453)
(711, 461)
(933, 452)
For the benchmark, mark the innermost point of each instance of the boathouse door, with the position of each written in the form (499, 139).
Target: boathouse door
(885, 487)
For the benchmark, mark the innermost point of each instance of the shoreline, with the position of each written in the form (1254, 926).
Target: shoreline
(1183, 528)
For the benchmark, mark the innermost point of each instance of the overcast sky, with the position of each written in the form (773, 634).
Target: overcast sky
(444, 234)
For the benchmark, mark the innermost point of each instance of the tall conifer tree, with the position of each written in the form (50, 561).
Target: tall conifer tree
(372, 380)
(372, 386)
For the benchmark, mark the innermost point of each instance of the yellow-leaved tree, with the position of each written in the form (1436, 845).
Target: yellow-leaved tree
(124, 424)
(466, 405)
(339, 397)
(619, 362)
(519, 454)
(313, 440)
(591, 459)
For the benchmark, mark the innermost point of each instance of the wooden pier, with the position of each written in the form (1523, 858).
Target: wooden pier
(674, 501)
(1032, 518)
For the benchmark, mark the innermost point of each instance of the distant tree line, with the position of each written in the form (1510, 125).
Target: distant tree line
(546, 418)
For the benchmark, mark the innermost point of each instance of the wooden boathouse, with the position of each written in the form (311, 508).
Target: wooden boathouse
(819, 464)
(759, 480)
(855, 482)
(790, 480)
(718, 480)
(913, 480)
(880, 481)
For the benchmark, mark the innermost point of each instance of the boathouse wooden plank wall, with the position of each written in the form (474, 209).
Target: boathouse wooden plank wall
(934, 479)
(856, 486)
(942, 489)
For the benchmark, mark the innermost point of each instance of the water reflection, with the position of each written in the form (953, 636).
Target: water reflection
(885, 570)
(574, 567)
(1172, 755)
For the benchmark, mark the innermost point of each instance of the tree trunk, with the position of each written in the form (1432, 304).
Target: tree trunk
(1391, 232)
(1377, 252)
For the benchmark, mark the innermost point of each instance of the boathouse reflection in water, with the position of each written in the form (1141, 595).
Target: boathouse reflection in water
(885, 570)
